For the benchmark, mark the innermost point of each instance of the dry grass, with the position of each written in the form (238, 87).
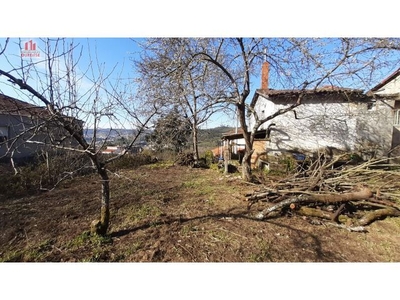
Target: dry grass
(164, 213)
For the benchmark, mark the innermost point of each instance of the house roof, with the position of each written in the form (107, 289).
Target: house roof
(15, 107)
(238, 133)
(12, 106)
(344, 93)
(320, 92)
(386, 80)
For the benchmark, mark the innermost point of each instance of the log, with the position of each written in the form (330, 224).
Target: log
(378, 214)
(323, 183)
(314, 212)
(361, 194)
(276, 207)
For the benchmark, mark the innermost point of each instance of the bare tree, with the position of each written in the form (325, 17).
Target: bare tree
(169, 66)
(71, 96)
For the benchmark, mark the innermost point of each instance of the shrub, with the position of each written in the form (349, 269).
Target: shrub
(209, 157)
(43, 172)
(131, 161)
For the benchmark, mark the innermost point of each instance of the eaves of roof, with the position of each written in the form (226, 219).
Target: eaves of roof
(321, 91)
(347, 93)
(386, 80)
(239, 135)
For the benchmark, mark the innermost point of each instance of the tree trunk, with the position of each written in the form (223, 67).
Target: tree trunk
(195, 146)
(246, 166)
(100, 227)
(246, 162)
(226, 160)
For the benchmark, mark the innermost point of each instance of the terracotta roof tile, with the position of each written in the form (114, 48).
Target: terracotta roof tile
(323, 90)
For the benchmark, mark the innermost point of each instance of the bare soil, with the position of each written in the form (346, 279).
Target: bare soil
(164, 213)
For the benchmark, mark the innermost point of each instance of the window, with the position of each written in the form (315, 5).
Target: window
(396, 119)
(3, 133)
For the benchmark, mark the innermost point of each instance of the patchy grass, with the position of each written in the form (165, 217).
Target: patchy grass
(176, 214)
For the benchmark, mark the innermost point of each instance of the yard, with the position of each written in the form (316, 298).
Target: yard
(166, 213)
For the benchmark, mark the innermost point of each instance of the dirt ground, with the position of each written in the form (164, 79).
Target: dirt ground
(164, 213)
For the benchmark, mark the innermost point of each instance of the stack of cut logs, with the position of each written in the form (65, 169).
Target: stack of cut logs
(351, 196)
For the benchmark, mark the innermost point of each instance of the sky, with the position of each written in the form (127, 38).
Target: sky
(114, 53)
(110, 26)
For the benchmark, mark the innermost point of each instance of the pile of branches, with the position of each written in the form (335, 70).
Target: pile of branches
(185, 159)
(349, 196)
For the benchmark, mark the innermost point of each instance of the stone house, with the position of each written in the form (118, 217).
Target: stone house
(25, 129)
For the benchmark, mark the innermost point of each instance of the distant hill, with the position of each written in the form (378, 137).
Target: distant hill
(211, 138)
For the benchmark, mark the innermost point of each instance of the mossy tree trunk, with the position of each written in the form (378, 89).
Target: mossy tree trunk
(100, 226)
(105, 202)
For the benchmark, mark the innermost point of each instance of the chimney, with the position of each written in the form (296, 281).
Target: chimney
(264, 75)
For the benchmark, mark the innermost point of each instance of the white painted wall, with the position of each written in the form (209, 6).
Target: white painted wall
(391, 87)
(343, 125)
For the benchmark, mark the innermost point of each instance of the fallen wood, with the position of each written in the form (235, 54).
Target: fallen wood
(349, 228)
(371, 204)
(277, 207)
(378, 214)
(361, 194)
(314, 212)
(259, 196)
(335, 217)
(340, 192)
(385, 203)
